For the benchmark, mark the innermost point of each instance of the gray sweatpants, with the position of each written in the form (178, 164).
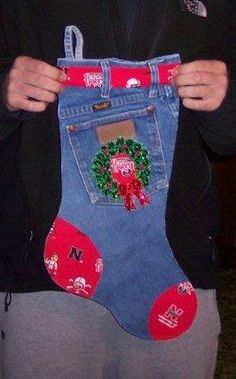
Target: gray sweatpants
(53, 335)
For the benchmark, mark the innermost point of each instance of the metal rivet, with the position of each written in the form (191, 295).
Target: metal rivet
(72, 128)
(150, 109)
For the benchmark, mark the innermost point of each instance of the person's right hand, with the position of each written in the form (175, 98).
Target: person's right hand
(31, 85)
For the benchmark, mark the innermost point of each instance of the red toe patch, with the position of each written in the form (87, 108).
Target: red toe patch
(173, 312)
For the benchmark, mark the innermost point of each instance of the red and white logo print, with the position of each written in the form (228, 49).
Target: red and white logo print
(171, 316)
(133, 83)
(52, 264)
(79, 285)
(93, 79)
(122, 168)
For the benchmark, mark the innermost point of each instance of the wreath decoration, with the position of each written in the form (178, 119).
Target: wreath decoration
(122, 169)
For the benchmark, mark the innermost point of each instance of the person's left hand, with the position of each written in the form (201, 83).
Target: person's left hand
(202, 85)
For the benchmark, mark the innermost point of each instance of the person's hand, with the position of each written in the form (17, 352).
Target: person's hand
(31, 85)
(202, 85)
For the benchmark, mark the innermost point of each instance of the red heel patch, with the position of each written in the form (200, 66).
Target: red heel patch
(72, 259)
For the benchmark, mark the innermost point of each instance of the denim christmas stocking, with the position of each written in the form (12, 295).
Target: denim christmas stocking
(118, 124)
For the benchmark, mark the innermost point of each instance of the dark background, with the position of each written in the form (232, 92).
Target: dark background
(225, 172)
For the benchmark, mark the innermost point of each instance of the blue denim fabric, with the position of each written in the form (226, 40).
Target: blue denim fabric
(138, 262)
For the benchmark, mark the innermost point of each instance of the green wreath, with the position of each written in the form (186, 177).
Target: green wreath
(101, 164)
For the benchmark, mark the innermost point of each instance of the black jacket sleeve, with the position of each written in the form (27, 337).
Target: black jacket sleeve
(218, 128)
(9, 121)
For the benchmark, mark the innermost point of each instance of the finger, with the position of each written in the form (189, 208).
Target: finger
(199, 78)
(40, 67)
(35, 79)
(21, 103)
(26, 90)
(211, 66)
(201, 104)
(202, 92)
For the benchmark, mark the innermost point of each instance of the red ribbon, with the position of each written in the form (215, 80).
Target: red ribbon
(134, 188)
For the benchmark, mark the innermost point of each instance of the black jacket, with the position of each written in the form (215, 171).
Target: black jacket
(36, 28)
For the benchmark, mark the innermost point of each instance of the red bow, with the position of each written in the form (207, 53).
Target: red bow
(134, 188)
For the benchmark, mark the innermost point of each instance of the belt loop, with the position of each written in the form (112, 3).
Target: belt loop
(72, 31)
(154, 79)
(105, 78)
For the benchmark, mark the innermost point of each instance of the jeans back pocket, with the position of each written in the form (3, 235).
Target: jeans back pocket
(85, 140)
